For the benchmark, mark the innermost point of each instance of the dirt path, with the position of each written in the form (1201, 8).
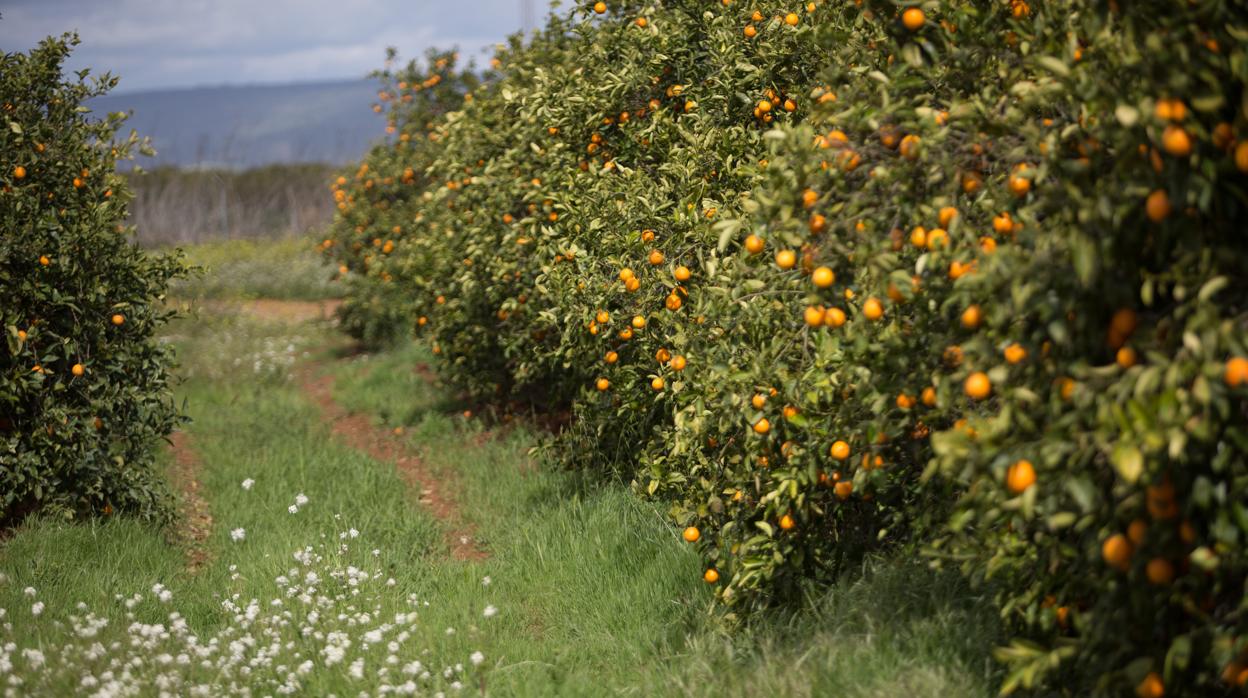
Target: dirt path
(279, 310)
(436, 490)
(196, 523)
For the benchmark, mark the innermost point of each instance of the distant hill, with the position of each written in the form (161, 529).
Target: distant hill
(249, 126)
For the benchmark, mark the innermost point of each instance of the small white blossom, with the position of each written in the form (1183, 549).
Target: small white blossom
(293, 508)
(238, 534)
(477, 658)
(489, 612)
(301, 499)
(248, 483)
(37, 608)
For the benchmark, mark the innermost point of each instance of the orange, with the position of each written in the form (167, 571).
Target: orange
(872, 309)
(19, 172)
(678, 363)
(918, 236)
(823, 277)
(1176, 142)
(1241, 156)
(913, 18)
(44, 261)
(600, 7)
(673, 302)
(750, 31)
(790, 105)
(1157, 205)
(1126, 357)
(1020, 476)
(682, 273)
(904, 401)
(947, 214)
(1116, 551)
(817, 224)
(762, 426)
(692, 534)
(809, 198)
(839, 450)
(641, 22)
(657, 383)
(764, 106)
(786, 259)
(602, 384)
(655, 258)
(814, 315)
(909, 147)
(711, 576)
(626, 274)
(639, 322)
(977, 385)
(753, 244)
(1136, 531)
(971, 317)
(929, 396)
(662, 355)
(1236, 372)
(1159, 571)
(834, 317)
(1002, 223)
(937, 237)
(1151, 686)
(119, 319)
(791, 19)
(843, 489)
(1019, 185)
(1015, 353)
(787, 522)
(603, 317)
(611, 357)
(77, 370)
(758, 401)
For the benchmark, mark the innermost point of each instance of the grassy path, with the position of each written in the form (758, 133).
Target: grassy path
(586, 590)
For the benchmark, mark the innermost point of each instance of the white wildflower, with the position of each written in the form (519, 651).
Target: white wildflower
(248, 483)
(37, 608)
(238, 534)
(477, 658)
(301, 499)
(489, 612)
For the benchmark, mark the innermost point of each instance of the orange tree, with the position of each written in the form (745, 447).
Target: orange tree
(84, 387)
(966, 275)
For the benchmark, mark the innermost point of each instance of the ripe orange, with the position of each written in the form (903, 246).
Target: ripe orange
(603, 317)
(1157, 205)
(947, 214)
(823, 277)
(977, 386)
(600, 7)
(1002, 224)
(814, 315)
(1176, 142)
(655, 258)
(1159, 571)
(77, 370)
(929, 396)
(758, 401)
(809, 198)
(1236, 372)
(817, 224)
(839, 450)
(602, 384)
(1241, 156)
(662, 355)
(762, 426)
(692, 534)
(119, 319)
(639, 322)
(750, 31)
(682, 273)
(1126, 357)
(918, 236)
(791, 19)
(1015, 353)
(611, 357)
(641, 22)
(19, 172)
(913, 18)
(909, 147)
(1151, 687)
(872, 309)
(787, 522)
(834, 317)
(658, 383)
(843, 489)
(971, 317)
(936, 238)
(44, 261)
(1020, 476)
(1136, 531)
(1018, 184)
(626, 274)
(711, 576)
(1116, 551)
(753, 244)
(673, 302)
(786, 259)
(678, 363)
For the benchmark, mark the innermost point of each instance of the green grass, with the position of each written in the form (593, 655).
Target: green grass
(285, 268)
(596, 593)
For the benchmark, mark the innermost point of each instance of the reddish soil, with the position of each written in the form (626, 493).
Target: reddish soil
(196, 522)
(435, 490)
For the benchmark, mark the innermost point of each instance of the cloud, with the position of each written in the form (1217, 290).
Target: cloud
(176, 43)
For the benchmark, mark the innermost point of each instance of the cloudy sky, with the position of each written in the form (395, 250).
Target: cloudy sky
(183, 43)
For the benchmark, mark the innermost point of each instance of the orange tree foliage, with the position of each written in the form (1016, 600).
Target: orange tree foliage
(965, 275)
(84, 386)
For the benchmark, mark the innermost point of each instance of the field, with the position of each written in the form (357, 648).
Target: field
(567, 585)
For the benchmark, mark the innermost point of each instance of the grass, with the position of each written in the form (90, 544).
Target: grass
(594, 589)
(287, 268)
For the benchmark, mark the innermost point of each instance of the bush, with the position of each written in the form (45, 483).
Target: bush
(969, 276)
(84, 386)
